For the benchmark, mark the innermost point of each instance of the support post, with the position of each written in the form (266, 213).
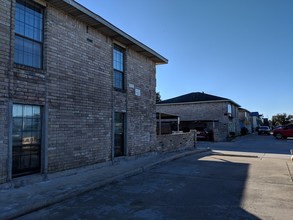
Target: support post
(194, 137)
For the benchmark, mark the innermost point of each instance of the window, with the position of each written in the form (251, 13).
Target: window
(28, 42)
(26, 139)
(118, 65)
(229, 110)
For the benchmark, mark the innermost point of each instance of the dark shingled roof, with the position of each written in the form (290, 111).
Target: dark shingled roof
(194, 97)
(255, 114)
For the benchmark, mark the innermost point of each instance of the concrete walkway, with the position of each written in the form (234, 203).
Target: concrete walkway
(31, 196)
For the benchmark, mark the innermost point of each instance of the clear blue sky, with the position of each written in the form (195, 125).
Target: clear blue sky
(237, 49)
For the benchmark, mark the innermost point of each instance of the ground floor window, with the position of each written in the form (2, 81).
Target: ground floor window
(26, 139)
(119, 121)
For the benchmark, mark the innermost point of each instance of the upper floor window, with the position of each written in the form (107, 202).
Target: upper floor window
(229, 110)
(118, 65)
(246, 115)
(28, 42)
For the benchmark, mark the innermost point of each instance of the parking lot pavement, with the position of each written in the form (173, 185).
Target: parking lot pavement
(221, 185)
(268, 189)
(16, 201)
(266, 144)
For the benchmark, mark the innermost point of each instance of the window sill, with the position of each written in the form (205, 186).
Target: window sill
(119, 90)
(28, 68)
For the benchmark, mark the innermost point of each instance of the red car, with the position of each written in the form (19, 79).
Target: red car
(284, 132)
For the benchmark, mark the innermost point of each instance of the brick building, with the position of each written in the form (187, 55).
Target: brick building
(200, 110)
(74, 89)
(245, 119)
(256, 120)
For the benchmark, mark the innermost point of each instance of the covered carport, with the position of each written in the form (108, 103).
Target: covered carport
(167, 123)
(208, 126)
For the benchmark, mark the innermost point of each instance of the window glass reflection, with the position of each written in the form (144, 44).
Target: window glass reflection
(17, 110)
(28, 34)
(17, 124)
(26, 124)
(118, 80)
(28, 111)
(118, 59)
(16, 138)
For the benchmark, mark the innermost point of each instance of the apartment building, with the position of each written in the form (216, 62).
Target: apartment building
(74, 89)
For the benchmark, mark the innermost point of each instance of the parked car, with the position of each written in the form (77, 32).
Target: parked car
(264, 130)
(204, 134)
(283, 132)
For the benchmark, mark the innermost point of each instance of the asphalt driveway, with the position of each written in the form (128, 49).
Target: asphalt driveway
(221, 185)
(253, 143)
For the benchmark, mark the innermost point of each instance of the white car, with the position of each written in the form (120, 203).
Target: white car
(264, 130)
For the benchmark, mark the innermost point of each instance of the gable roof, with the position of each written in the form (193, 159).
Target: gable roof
(244, 110)
(195, 97)
(83, 14)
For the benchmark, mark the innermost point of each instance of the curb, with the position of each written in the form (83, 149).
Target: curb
(234, 155)
(43, 202)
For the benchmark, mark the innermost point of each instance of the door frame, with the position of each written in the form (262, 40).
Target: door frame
(43, 151)
(125, 148)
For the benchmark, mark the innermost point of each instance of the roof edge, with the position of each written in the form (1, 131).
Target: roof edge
(83, 9)
(199, 102)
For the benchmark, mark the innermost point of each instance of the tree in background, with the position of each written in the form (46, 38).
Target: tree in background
(158, 97)
(282, 119)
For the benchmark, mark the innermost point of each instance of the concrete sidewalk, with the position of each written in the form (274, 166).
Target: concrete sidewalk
(15, 202)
